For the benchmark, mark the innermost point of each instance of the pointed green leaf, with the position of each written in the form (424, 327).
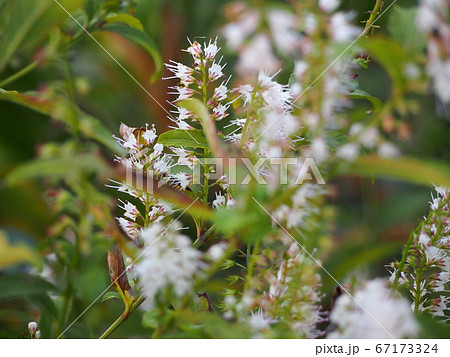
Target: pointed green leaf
(405, 169)
(360, 94)
(191, 138)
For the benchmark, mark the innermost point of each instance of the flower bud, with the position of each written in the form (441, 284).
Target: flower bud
(32, 327)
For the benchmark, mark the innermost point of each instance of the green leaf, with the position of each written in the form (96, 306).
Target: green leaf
(252, 224)
(400, 29)
(405, 169)
(13, 254)
(151, 319)
(111, 295)
(353, 256)
(63, 110)
(191, 138)
(126, 19)
(139, 38)
(390, 55)
(431, 327)
(60, 167)
(92, 7)
(335, 139)
(24, 23)
(209, 128)
(360, 94)
(13, 286)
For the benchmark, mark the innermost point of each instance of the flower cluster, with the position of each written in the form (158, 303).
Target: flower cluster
(432, 20)
(200, 81)
(373, 312)
(293, 295)
(425, 271)
(168, 260)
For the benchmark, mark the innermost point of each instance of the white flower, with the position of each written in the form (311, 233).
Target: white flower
(235, 33)
(182, 179)
(220, 92)
(440, 72)
(131, 211)
(195, 49)
(257, 56)
(168, 259)
(424, 239)
(149, 136)
(377, 314)
(387, 150)
(211, 50)
(215, 72)
(38, 334)
(181, 71)
(216, 251)
(246, 91)
(341, 29)
(319, 149)
(369, 137)
(348, 151)
(158, 147)
(329, 5)
(219, 201)
(32, 327)
(283, 27)
(259, 321)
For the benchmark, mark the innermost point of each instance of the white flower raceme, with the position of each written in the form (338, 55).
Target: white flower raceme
(329, 5)
(257, 56)
(376, 314)
(168, 260)
(283, 26)
(293, 294)
(432, 21)
(341, 28)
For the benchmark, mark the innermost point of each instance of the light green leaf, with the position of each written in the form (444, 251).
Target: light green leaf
(390, 55)
(60, 167)
(126, 19)
(192, 138)
(405, 169)
(111, 295)
(401, 30)
(13, 254)
(139, 38)
(209, 128)
(360, 94)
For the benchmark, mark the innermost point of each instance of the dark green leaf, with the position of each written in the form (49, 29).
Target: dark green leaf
(360, 94)
(22, 285)
(63, 110)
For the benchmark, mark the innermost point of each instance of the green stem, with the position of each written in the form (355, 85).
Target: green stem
(19, 74)
(251, 264)
(114, 326)
(373, 15)
(128, 310)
